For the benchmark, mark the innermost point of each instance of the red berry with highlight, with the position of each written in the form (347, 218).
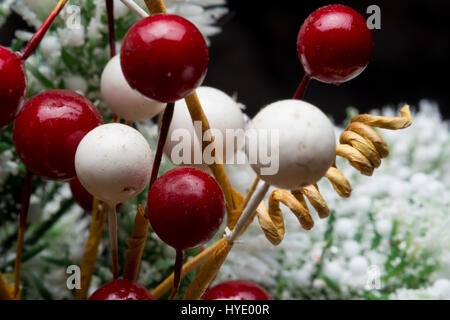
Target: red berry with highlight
(186, 207)
(334, 44)
(13, 85)
(237, 290)
(121, 290)
(164, 57)
(48, 130)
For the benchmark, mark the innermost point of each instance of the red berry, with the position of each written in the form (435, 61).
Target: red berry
(186, 207)
(13, 85)
(121, 290)
(81, 195)
(164, 57)
(48, 130)
(237, 290)
(334, 44)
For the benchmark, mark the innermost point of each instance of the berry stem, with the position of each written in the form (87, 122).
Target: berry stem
(24, 206)
(177, 273)
(111, 29)
(40, 33)
(112, 223)
(133, 6)
(165, 125)
(247, 215)
(155, 6)
(302, 87)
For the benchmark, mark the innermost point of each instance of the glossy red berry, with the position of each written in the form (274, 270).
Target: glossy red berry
(48, 130)
(121, 290)
(81, 195)
(185, 207)
(237, 290)
(164, 57)
(13, 85)
(334, 44)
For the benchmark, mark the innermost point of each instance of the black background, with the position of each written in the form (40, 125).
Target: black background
(255, 55)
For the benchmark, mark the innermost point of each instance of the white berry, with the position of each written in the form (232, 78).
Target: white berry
(122, 99)
(304, 149)
(222, 112)
(114, 162)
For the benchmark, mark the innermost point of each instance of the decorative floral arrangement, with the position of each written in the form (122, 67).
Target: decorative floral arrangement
(381, 243)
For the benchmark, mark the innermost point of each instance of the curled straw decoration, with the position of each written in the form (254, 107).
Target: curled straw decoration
(271, 220)
(361, 145)
(91, 250)
(339, 182)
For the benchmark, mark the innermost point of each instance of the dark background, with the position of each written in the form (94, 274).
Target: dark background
(255, 55)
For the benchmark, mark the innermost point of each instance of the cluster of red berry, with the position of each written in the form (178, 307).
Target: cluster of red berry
(164, 57)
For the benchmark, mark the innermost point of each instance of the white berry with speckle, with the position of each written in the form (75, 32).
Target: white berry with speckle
(114, 162)
(300, 140)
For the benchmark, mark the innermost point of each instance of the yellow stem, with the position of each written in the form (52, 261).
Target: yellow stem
(136, 245)
(6, 291)
(188, 267)
(91, 251)
(155, 6)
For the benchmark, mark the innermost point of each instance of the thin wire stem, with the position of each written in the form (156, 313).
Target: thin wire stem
(177, 273)
(40, 33)
(302, 87)
(111, 28)
(24, 206)
(112, 223)
(133, 6)
(246, 216)
(164, 132)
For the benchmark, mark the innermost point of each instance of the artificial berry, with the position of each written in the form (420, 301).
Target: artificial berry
(305, 146)
(13, 85)
(164, 57)
(114, 162)
(334, 44)
(121, 99)
(186, 207)
(81, 195)
(237, 290)
(223, 114)
(48, 130)
(121, 290)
